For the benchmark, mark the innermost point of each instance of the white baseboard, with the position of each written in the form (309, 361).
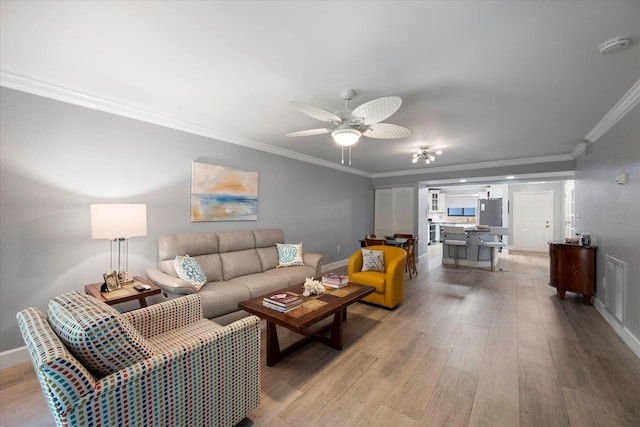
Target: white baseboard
(334, 265)
(629, 339)
(14, 357)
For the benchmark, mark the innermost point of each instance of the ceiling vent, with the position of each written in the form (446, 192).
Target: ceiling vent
(615, 44)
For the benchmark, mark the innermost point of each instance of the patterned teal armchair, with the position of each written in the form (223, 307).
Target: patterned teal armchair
(162, 365)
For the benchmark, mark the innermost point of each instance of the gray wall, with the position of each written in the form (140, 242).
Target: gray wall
(57, 159)
(610, 211)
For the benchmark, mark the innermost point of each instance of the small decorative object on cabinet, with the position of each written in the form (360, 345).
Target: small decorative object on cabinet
(572, 269)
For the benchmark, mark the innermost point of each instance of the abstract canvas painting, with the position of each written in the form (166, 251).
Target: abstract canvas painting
(220, 193)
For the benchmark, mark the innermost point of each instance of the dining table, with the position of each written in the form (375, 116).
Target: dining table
(400, 242)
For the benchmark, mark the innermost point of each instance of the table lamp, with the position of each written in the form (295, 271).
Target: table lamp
(118, 223)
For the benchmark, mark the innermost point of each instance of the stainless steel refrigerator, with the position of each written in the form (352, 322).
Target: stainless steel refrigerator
(490, 212)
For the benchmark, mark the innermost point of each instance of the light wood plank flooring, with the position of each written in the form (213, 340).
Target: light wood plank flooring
(467, 347)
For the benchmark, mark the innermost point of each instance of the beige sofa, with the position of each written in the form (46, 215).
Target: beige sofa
(239, 265)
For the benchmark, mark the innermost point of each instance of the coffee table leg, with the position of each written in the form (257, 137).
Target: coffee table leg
(336, 330)
(273, 346)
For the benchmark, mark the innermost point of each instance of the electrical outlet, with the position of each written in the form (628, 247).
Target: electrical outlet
(338, 248)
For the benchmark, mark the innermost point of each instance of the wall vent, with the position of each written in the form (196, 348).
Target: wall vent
(614, 283)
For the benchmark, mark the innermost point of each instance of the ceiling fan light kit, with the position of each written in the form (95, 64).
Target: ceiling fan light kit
(613, 45)
(349, 125)
(346, 137)
(423, 152)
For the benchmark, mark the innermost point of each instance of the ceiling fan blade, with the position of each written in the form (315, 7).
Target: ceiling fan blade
(378, 109)
(387, 131)
(309, 132)
(317, 112)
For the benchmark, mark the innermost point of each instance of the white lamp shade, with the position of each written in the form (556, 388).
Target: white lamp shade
(114, 221)
(346, 137)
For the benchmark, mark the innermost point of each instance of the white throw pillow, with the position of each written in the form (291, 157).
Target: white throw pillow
(372, 260)
(289, 255)
(188, 269)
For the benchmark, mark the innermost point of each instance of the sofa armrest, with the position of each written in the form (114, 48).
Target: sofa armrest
(168, 315)
(214, 380)
(173, 285)
(313, 260)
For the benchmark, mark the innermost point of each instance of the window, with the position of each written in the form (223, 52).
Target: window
(461, 211)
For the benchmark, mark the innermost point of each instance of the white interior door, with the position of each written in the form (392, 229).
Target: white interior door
(532, 220)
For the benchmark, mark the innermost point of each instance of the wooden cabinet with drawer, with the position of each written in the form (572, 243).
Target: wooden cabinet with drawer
(572, 269)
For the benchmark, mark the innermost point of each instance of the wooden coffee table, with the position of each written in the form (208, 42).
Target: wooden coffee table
(313, 309)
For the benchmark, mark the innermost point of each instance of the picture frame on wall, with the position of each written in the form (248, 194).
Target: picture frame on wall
(220, 193)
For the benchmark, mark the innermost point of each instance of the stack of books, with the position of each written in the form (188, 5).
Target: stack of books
(334, 280)
(283, 301)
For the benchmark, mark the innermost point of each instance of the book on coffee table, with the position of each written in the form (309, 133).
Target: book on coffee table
(335, 280)
(282, 301)
(279, 308)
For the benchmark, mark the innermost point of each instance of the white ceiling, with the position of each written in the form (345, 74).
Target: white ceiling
(482, 81)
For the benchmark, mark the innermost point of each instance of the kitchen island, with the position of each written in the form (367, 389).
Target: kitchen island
(480, 243)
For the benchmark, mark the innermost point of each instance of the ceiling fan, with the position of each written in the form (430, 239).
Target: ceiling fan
(348, 125)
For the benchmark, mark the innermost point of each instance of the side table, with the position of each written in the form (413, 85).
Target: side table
(123, 294)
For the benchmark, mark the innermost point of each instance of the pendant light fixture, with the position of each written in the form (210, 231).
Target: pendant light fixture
(423, 152)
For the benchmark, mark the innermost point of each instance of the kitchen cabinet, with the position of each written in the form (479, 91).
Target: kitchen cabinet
(436, 201)
(573, 269)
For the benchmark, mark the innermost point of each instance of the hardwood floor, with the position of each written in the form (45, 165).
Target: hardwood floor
(467, 347)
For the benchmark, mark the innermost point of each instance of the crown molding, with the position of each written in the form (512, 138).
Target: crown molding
(472, 166)
(36, 87)
(517, 179)
(578, 150)
(618, 111)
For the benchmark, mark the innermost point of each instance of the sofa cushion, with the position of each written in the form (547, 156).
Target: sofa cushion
(268, 237)
(212, 266)
(268, 257)
(240, 263)
(260, 283)
(291, 276)
(188, 269)
(370, 278)
(289, 255)
(96, 333)
(372, 260)
(185, 335)
(220, 298)
(230, 241)
(194, 244)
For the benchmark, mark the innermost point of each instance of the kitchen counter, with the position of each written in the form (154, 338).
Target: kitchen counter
(473, 254)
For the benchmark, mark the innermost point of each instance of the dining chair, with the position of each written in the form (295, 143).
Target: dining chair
(411, 267)
(373, 242)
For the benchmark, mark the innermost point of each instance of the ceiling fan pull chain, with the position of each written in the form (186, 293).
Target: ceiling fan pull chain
(343, 155)
(349, 155)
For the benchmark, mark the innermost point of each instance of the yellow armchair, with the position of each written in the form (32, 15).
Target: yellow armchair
(389, 283)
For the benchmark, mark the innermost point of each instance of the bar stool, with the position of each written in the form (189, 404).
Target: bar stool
(492, 246)
(456, 243)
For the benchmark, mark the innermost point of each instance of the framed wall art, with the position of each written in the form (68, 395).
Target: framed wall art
(219, 193)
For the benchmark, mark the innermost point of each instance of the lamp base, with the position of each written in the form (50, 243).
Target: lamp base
(124, 278)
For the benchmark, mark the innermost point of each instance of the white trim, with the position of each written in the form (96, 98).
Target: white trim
(629, 339)
(334, 265)
(472, 166)
(24, 84)
(14, 357)
(517, 179)
(578, 150)
(618, 111)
